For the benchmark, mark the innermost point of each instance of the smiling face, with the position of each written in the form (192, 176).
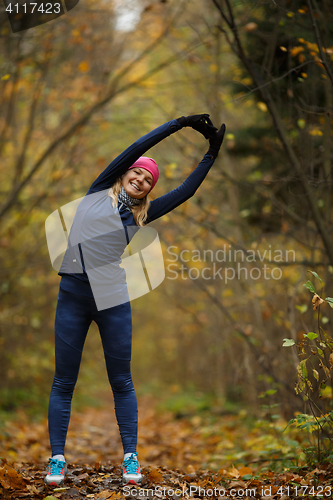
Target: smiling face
(137, 182)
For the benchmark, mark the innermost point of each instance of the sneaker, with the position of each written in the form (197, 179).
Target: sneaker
(131, 470)
(56, 472)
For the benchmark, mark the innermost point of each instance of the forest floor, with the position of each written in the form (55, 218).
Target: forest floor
(203, 455)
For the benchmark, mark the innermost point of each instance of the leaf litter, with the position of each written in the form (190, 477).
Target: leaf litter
(192, 457)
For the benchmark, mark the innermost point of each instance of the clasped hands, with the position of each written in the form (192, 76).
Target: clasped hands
(203, 124)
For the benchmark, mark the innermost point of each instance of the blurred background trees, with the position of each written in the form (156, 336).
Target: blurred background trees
(76, 91)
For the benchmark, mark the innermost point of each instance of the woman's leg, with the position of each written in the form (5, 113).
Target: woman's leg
(115, 326)
(72, 320)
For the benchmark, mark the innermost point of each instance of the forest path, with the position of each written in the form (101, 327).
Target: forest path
(185, 457)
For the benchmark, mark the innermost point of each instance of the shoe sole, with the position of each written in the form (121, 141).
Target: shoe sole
(54, 483)
(132, 481)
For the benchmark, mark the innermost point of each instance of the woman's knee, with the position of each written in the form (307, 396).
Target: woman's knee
(64, 386)
(121, 382)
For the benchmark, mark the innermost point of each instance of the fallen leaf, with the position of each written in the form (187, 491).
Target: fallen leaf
(233, 472)
(237, 484)
(10, 478)
(32, 489)
(155, 477)
(104, 494)
(83, 476)
(245, 470)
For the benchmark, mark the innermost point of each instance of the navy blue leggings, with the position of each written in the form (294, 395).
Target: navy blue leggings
(74, 315)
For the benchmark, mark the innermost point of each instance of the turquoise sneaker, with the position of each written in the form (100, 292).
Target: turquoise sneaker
(131, 470)
(56, 472)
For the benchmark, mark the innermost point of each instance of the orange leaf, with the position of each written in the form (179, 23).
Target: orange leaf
(10, 478)
(155, 477)
(296, 50)
(218, 479)
(84, 67)
(245, 470)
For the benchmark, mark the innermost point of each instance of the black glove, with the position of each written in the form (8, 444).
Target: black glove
(216, 142)
(201, 123)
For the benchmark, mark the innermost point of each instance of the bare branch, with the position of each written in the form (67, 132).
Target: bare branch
(282, 133)
(10, 109)
(30, 125)
(267, 368)
(319, 42)
(237, 246)
(113, 91)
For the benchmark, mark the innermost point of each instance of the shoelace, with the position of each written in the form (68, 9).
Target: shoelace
(131, 465)
(55, 466)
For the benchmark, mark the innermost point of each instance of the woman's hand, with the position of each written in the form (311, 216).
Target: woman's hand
(201, 123)
(216, 142)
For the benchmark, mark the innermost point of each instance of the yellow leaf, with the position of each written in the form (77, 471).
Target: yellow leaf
(169, 170)
(104, 494)
(283, 48)
(5, 77)
(326, 393)
(247, 81)
(290, 14)
(84, 67)
(304, 75)
(296, 50)
(56, 175)
(104, 126)
(301, 123)
(213, 68)
(233, 472)
(312, 46)
(315, 131)
(262, 106)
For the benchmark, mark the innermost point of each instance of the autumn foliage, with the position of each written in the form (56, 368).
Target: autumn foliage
(76, 92)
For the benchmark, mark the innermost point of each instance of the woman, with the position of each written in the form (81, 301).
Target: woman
(93, 286)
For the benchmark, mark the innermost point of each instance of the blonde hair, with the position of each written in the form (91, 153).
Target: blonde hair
(139, 211)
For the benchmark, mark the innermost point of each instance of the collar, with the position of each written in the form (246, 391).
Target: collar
(127, 200)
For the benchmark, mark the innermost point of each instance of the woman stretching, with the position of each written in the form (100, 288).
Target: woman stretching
(116, 202)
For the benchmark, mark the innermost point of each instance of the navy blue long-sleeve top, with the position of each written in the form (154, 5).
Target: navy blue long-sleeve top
(74, 276)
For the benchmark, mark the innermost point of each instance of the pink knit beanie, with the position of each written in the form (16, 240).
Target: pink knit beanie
(148, 164)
